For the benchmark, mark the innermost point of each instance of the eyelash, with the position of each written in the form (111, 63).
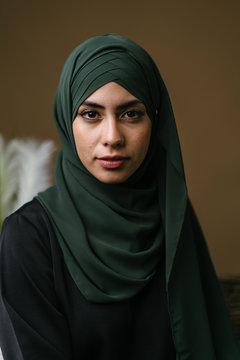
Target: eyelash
(138, 114)
(86, 113)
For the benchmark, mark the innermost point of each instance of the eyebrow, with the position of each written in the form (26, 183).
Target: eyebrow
(119, 107)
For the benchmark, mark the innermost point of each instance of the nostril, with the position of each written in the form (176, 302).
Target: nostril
(114, 142)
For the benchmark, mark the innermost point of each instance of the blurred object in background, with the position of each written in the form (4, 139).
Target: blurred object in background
(25, 169)
(231, 290)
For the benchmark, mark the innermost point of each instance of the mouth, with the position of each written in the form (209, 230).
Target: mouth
(112, 162)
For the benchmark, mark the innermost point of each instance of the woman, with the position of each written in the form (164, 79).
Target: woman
(110, 263)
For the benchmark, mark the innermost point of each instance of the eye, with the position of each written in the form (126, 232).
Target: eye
(133, 114)
(89, 114)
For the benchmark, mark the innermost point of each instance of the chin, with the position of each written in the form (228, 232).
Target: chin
(112, 178)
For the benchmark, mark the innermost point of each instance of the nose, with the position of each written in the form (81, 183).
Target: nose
(112, 135)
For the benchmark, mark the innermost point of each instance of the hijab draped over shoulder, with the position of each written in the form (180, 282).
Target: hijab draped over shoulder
(114, 236)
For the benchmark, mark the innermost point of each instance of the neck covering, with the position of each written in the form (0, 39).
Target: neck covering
(114, 236)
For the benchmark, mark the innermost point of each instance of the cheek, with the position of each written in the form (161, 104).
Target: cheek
(142, 141)
(85, 148)
(84, 142)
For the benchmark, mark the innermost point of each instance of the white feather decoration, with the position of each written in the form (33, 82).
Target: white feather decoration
(33, 159)
(24, 171)
(9, 176)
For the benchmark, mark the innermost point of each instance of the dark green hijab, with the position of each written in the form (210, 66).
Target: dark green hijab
(113, 237)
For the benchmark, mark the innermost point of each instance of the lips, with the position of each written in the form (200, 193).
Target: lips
(112, 162)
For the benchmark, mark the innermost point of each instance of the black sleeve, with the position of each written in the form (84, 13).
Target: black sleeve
(32, 326)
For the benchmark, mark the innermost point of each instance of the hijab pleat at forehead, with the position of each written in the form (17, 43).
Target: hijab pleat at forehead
(100, 64)
(118, 67)
(112, 236)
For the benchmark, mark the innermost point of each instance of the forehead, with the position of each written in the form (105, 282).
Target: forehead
(111, 94)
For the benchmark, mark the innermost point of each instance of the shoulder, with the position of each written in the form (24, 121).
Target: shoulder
(26, 232)
(30, 214)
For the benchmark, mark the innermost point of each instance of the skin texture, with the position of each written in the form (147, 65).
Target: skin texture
(112, 122)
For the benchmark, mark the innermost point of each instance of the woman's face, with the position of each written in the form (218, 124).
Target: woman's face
(112, 133)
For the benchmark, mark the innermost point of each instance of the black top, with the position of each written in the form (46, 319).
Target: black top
(44, 315)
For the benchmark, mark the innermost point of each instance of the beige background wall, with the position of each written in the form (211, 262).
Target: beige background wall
(196, 47)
